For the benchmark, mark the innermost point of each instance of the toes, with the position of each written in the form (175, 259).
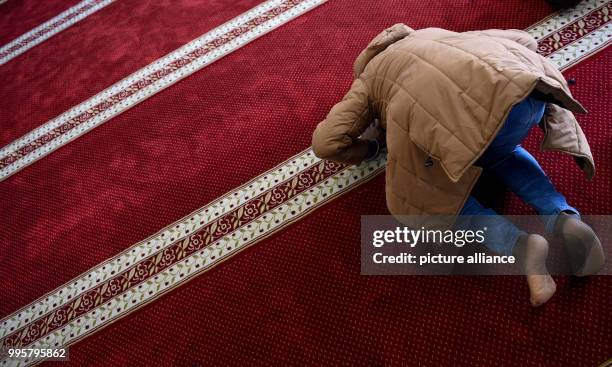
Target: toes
(536, 303)
(542, 288)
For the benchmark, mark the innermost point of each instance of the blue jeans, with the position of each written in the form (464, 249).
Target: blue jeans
(521, 173)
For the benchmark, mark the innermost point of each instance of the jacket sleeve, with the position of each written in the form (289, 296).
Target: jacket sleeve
(337, 137)
(516, 35)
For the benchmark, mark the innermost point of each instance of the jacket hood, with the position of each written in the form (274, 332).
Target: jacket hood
(379, 44)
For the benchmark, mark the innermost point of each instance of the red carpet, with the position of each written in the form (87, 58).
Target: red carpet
(297, 297)
(18, 17)
(175, 143)
(592, 88)
(69, 68)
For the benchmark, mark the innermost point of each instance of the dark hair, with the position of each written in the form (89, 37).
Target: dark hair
(564, 4)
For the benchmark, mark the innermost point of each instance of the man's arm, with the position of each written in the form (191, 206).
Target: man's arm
(337, 137)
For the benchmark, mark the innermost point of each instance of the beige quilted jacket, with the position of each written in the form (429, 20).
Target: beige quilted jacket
(442, 96)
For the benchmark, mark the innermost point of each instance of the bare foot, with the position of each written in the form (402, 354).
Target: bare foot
(541, 285)
(583, 246)
(542, 288)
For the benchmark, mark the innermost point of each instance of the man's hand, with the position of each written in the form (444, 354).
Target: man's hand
(375, 132)
(375, 137)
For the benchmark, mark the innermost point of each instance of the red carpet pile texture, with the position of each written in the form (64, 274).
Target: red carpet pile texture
(297, 297)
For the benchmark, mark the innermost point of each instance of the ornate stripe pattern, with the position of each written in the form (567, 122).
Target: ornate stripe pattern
(157, 242)
(559, 20)
(195, 247)
(150, 80)
(573, 32)
(180, 246)
(189, 247)
(50, 28)
(584, 44)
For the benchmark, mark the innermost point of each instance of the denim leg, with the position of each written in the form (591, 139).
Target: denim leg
(520, 171)
(521, 119)
(501, 234)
